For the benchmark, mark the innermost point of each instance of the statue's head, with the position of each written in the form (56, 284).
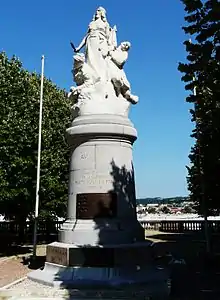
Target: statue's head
(125, 46)
(79, 60)
(100, 13)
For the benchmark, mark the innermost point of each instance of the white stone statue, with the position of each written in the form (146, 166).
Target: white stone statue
(117, 59)
(84, 76)
(101, 83)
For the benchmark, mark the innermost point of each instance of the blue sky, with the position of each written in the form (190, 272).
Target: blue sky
(29, 29)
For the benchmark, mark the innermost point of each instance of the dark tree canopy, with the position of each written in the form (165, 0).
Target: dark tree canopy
(19, 117)
(202, 72)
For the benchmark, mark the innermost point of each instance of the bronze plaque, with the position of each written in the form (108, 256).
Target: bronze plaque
(57, 255)
(96, 205)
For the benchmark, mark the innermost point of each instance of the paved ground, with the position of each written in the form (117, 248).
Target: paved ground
(13, 267)
(11, 270)
(28, 288)
(200, 280)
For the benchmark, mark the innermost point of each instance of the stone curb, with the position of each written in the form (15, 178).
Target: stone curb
(3, 259)
(7, 286)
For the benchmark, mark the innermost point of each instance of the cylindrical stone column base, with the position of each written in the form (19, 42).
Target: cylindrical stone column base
(102, 202)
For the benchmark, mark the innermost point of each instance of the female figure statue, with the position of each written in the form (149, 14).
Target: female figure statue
(98, 41)
(98, 72)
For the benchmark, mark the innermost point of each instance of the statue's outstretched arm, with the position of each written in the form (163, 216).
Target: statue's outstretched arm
(82, 44)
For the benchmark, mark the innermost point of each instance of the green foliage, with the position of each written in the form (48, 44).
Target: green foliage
(202, 72)
(165, 210)
(188, 210)
(151, 210)
(19, 113)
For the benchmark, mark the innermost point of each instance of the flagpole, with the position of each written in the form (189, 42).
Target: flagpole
(38, 159)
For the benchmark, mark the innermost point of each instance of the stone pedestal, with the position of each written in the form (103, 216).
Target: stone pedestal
(101, 242)
(102, 204)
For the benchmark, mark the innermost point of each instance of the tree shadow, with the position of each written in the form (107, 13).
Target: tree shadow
(122, 207)
(35, 263)
(194, 273)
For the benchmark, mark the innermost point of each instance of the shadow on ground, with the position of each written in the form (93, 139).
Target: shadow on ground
(186, 246)
(11, 250)
(198, 276)
(35, 263)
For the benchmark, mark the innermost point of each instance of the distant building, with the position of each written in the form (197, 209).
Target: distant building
(175, 210)
(2, 218)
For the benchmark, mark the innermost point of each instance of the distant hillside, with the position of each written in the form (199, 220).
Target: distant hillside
(161, 200)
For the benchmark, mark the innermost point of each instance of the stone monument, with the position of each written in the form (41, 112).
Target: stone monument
(101, 242)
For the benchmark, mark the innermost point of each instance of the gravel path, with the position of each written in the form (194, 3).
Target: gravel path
(30, 289)
(27, 288)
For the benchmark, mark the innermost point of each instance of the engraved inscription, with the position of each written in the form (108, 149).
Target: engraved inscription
(96, 205)
(82, 205)
(57, 255)
(84, 155)
(94, 180)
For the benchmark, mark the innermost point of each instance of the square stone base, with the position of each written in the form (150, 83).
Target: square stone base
(111, 256)
(124, 266)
